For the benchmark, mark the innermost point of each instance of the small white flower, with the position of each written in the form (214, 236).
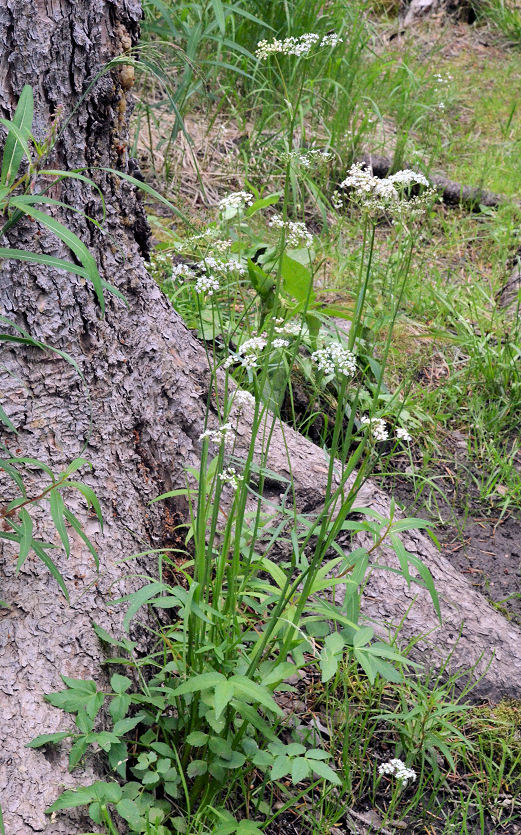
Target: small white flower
(334, 358)
(237, 200)
(253, 345)
(300, 46)
(208, 284)
(249, 361)
(210, 262)
(376, 426)
(182, 271)
(228, 362)
(398, 769)
(291, 328)
(229, 476)
(387, 194)
(241, 399)
(296, 232)
(280, 343)
(217, 436)
(402, 434)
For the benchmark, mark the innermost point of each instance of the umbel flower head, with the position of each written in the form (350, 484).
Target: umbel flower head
(300, 46)
(335, 359)
(377, 195)
(398, 769)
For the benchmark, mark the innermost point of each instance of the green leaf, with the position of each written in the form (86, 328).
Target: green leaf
(196, 739)
(297, 279)
(129, 811)
(57, 512)
(139, 599)
(76, 526)
(26, 537)
(362, 636)
(120, 684)
(300, 769)
(45, 739)
(281, 767)
(81, 685)
(255, 693)
(5, 420)
(72, 798)
(204, 681)
(71, 241)
(219, 15)
(196, 768)
(77, 752)
(224, 693)
(325, 771)
(18, 132)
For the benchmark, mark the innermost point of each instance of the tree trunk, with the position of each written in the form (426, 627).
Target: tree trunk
(148, 384)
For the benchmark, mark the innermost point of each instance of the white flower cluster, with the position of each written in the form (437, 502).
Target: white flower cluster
(300, 46)
(402, 434)
(376, 426)
(280, 343)
(217, 436)
(210, 262)
(334, 358)
(208, 284)
(253, 345)
(237, 200)
(307, 158)
(377, 194)
(296, 232)
(230, 476)
(241, 399)
(181, 271)
(292, 328)
(398, 769)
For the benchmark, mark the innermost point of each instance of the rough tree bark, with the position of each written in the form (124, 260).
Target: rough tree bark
(148, 383)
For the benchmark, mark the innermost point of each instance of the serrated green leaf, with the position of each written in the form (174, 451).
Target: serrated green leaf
(204, 681)
(125, 725)
(77, 752)
(196, 739)
(120, 684)
(141, 598)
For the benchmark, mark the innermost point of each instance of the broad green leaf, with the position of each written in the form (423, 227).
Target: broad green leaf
(196, 739)
(362, 636)
(297, 279)
(45, 739)
(204, 681)
(123, 726)
(119, 706)
(129, 811)
(300, 769)
(77, 752)
(281, 767)
(224, 692)
(120, 684)
(325, 771)
(140, 598)
(255, 693)
(196, 768)
(81, 685)
(72, 798)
